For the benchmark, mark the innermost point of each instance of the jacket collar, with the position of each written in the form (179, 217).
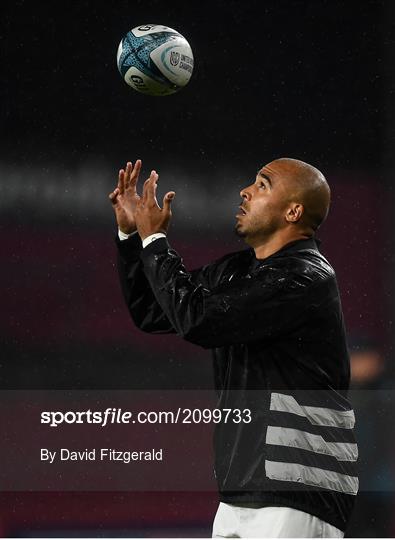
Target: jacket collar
(297, 245)
(291, 247)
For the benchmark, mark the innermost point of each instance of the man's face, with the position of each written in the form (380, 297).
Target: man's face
(264, 204)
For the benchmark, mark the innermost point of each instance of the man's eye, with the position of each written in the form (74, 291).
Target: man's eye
(261, 184)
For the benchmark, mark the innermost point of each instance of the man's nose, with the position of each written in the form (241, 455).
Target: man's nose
(245, 194)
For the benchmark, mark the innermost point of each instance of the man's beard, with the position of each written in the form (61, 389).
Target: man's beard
(253, 232)
(239, 232)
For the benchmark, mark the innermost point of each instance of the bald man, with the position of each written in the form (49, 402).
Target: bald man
(286, 464)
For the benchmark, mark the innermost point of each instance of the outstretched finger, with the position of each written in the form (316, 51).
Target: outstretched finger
(149, 189)
(167, 200)
(121, 181)
(128, 172)
(134, 176)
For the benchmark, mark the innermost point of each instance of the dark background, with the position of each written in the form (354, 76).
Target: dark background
(306, 79)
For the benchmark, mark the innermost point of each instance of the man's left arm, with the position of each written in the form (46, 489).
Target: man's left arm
(269, 304)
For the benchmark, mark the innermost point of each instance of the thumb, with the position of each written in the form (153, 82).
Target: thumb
(113, 196)
(167, 199)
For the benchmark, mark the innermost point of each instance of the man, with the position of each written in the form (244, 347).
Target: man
(272, 317)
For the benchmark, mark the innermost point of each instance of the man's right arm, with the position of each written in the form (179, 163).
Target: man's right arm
(145, 311)
(139, 297)
(143, 308)
(140, 300)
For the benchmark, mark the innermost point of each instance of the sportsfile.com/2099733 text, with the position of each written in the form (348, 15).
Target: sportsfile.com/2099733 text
(118, 416)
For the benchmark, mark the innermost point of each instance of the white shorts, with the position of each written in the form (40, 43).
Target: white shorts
(270, 522)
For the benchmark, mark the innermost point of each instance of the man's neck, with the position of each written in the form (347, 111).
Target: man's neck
(274, 243)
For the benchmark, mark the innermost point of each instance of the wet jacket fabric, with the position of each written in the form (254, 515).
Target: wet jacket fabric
(276, 331)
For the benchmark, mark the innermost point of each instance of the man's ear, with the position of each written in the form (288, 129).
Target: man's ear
(294, 212)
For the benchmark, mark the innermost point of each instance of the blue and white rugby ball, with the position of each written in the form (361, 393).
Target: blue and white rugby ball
(155, 60)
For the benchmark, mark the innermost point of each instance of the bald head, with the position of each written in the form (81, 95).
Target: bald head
(307, 186)
(288, 201)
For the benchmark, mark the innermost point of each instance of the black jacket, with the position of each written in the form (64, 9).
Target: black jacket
(276, 330)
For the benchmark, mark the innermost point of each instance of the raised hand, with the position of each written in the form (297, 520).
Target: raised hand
(124, 198)
(150, 217)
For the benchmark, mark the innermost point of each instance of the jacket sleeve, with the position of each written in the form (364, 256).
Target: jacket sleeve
(244, 310)
(146, 312)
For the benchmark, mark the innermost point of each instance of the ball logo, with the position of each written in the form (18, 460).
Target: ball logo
(137, 81)
(146, 27)
(174, 58)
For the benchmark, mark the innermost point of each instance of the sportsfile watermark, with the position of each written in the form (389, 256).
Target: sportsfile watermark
(170, 440)
(113, 415)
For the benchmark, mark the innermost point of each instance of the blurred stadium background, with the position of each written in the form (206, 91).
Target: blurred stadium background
(310, 79)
